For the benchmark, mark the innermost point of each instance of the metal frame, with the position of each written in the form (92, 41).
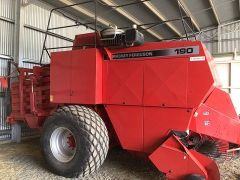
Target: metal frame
(94, 25)
(186, 10)
(85, 11)
(49, 20)
(6, 19)
(17, 30)
(155, 11)
(214, 11)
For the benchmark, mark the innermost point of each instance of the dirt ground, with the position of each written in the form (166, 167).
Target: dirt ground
(24, 162)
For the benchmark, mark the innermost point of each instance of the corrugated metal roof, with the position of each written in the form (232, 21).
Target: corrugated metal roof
(204, 13)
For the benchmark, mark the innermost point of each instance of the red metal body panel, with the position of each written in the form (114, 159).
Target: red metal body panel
(124, 82)
(217, 118)
(221, 101)
(128, 124)
(61, 77)
(176, 80)
(200, 82)
(158, 122)
(86, 77)
(165, 82)
(182, 162)
(76, 77)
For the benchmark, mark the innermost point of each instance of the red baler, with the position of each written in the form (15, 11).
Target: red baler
(158, 98)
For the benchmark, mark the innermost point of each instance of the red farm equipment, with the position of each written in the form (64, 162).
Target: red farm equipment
(161, 99)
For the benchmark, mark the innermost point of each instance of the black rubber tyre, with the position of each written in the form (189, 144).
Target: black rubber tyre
(194, 177)
(91, 141)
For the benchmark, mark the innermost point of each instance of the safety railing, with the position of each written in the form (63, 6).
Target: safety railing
(94, 25)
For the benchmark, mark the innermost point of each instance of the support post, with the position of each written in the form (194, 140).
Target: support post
(16, 128)
(16, 132)
(219, 38)
(17, 30)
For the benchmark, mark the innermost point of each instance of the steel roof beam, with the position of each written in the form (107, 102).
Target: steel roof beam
(239, 6)
(131, 18)
(86, 12)
(214, 11)
(155, 11)
(188, 12)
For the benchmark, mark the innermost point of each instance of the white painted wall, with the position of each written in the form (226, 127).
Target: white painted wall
(228, 69)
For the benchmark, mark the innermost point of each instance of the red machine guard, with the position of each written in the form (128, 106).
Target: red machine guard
(3, 82)
(174, 159)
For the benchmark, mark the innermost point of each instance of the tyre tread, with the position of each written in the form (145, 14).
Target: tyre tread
(97, 135)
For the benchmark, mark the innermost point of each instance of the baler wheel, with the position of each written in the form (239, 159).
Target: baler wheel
(74, 141)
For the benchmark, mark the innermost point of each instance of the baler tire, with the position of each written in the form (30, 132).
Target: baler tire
(90, 137)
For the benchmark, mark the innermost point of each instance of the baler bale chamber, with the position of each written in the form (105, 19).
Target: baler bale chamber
(160, 99)
(30, 96)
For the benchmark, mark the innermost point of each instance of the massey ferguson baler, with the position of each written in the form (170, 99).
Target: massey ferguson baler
(161, 99)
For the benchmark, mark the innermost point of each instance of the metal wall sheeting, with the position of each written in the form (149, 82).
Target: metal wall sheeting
(6, 38)
(6, 48)
(7, 9)
(229, 37)
(33, 44)
(37, 17)
(224, 39)
(4, 127)
(210, 39)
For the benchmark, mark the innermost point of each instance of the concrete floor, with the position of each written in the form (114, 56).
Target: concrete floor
(24, 162)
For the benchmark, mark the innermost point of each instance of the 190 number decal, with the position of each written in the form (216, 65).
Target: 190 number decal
(184, 51)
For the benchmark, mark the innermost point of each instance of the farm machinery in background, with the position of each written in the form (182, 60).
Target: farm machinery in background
(161, 99)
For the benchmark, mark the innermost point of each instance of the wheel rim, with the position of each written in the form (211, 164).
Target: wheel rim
(63, 144)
